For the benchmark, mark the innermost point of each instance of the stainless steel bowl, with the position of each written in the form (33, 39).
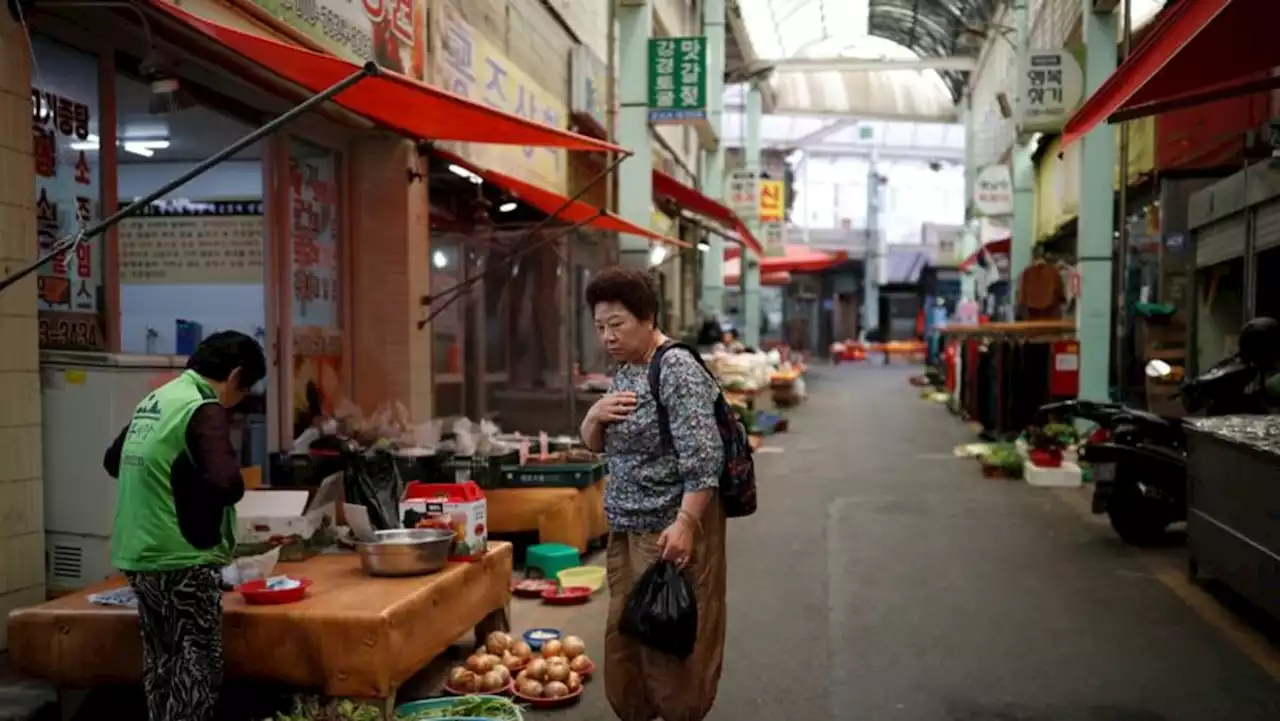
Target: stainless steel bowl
(406, 552)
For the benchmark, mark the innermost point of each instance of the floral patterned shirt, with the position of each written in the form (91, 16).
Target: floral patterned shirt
(646, 480)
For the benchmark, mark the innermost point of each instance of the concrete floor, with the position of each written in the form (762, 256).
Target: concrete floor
(885, 580)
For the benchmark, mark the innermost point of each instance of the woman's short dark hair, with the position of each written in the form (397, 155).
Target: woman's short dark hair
(633, 289)
(225, 351)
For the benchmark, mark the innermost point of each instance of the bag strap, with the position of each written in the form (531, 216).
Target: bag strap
(655, 385)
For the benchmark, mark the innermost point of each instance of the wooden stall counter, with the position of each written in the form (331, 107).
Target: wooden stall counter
(571, 516)
(353, 635)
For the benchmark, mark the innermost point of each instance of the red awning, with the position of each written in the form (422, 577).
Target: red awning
(994, 248)
(412, 108)
(733, 270)
(1198, 51)
(549, 202)
(694, 200)
(797, 258)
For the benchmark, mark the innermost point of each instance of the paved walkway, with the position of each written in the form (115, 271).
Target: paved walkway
(884, 580)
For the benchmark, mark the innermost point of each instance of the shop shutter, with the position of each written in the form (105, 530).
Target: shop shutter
(1220, 241)
(1266, 226)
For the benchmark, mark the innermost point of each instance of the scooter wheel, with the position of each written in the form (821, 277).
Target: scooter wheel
(1136, 522)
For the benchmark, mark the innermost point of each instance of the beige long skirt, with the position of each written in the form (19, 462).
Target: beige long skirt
(642, 684)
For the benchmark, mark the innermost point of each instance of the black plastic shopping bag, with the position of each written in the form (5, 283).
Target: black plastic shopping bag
(373, 481)
(662, 611)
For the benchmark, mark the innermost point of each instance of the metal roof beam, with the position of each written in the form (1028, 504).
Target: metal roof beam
(886, 152)
(955, 63)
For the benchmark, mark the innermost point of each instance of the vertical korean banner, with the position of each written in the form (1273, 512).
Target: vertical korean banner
(317, 286)
(469, 65)
(773, 217)
(677, 79)
(744, 192)
(65, 146)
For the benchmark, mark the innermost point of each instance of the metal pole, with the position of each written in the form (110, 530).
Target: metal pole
(69, 244)
(1121, 271)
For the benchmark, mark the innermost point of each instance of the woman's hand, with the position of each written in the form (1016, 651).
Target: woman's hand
(613, 407)
(676, 543)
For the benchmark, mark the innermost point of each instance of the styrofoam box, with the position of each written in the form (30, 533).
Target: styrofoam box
(1065, 476)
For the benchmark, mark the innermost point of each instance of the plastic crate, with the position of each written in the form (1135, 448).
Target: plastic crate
(486, 471)
(565, 475)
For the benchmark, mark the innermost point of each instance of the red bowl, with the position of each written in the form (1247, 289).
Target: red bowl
(567, 596)
(541, 703)
(257, 593)
(506, 691)
(586, 673)
(532, 587)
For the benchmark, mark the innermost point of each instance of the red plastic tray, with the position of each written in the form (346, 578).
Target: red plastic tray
(256, 593)
(568, 596)
(540, 703)
(508, 690)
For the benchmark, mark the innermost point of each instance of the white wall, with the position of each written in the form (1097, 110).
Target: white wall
(836, 189)
(215, 307)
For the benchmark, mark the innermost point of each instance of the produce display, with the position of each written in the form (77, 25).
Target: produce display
(490, 669)
(557, 674)
(469, 707)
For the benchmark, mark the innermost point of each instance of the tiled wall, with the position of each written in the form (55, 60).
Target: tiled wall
(21, 490)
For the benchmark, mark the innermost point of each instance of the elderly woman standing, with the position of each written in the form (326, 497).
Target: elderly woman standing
(661, 501)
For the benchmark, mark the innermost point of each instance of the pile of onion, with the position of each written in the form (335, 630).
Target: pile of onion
(557, 673)
(490, 668)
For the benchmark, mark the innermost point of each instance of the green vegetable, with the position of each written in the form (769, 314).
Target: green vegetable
(469, 706)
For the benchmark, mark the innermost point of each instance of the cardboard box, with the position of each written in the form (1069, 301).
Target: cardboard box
(299, 522)
(464, 504)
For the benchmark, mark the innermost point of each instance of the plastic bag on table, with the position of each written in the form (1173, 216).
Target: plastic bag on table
(373, 481)
(250, 568)
(662, 611)
(464, 438)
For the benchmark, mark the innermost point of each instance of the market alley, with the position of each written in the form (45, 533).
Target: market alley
(885, 580)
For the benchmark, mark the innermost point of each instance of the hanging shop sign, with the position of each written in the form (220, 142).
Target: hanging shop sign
(388, 32)
(69, 287)
(677, 79)
(993, 191)
(744, 191)
(773, 238)
(175, 242)
(1052, 87)
(469, 65)
(588, 77)
(772, 207)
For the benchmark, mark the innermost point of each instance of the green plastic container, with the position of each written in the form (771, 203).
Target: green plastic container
(510, 711)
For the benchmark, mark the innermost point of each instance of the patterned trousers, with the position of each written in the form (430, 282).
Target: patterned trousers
(181, 618)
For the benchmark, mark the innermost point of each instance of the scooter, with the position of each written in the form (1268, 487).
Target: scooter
(1139, 459)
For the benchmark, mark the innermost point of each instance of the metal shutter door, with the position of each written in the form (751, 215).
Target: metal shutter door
(1266, 226)
(1220, 241)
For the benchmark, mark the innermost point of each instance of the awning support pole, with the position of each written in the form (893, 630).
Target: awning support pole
(69, 243)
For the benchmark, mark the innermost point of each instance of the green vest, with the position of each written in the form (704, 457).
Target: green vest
(146, 536)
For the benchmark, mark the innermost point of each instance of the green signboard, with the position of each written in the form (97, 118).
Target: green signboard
(677, 79)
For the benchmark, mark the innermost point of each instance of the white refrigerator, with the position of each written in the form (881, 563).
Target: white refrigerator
(86, 399)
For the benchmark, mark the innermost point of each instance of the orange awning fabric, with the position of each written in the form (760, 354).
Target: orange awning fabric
(799, 258)
(549, 202)
(694, 200)
(409, 107)
(733, 273)
(1198, 51)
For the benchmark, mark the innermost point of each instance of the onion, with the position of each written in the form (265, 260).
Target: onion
(574, 647)
(466, 682)
(530, 688)
(510, 661)
(555, 689)
(504, 672)
(457, 673)
(479, 663)
(520, 649)
(497, 643)
(538, 669)
(558, 670)
(552, 648)
(575, 681)
(580, 663)
(492, 681)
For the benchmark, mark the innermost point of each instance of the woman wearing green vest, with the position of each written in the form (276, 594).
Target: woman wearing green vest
(179, 481)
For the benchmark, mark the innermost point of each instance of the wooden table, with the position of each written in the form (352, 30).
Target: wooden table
(572, 516)
(353, 636)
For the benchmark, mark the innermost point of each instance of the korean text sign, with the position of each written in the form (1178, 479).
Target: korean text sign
(743, 192)
(677, 79)
(772, 202)
(468, 65)
(388, 32)
(1052, 89)
(64, 139)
